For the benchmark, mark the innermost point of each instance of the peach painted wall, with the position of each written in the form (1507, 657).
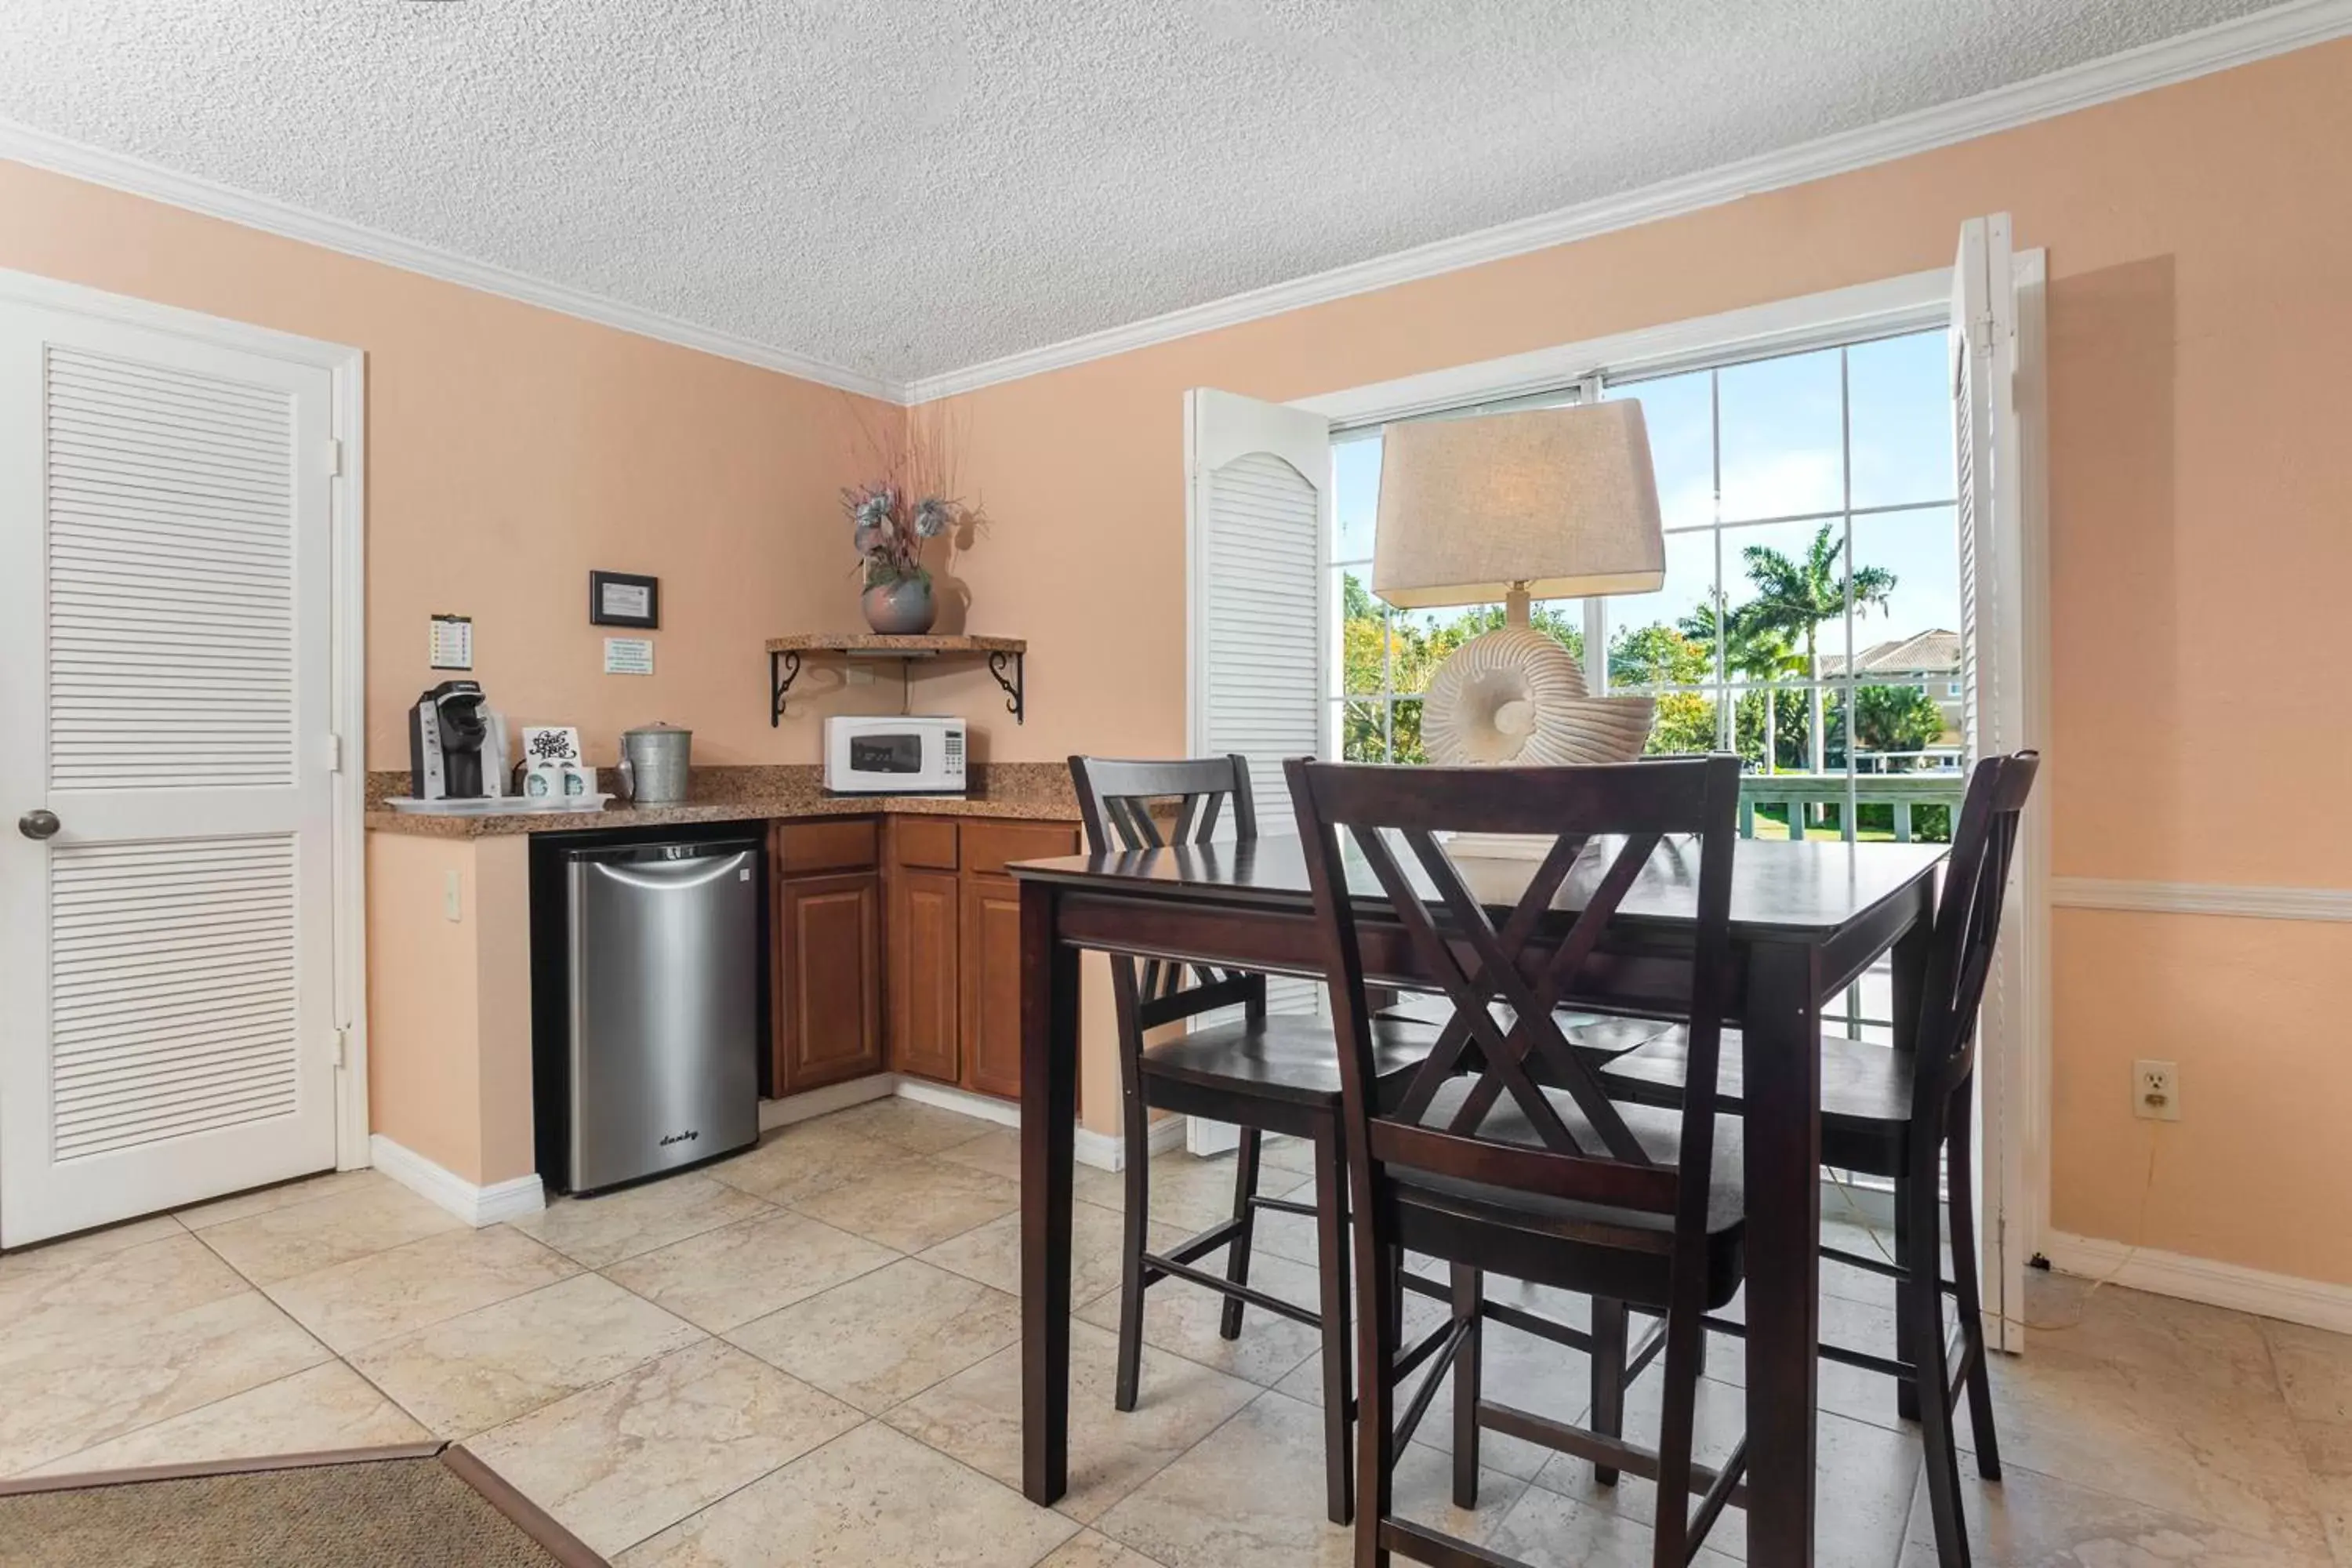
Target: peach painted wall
(511, 449)
(2199, 487)
(501, 913)
(449, 1062)
(424, 1013)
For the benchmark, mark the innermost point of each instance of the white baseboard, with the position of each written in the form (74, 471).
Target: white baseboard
(946, 1097)
(477, 1205)
(1108, 1151)
(2313, 1302)
(775, 1113)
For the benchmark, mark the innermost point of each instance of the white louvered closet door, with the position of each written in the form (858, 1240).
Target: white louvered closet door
(166, 1025)
(1258, 508)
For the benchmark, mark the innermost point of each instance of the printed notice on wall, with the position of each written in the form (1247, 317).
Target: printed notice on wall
(628, 655)
(634, 600)
(453, 642)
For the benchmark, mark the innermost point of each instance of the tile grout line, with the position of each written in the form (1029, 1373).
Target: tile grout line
(2294, 1429)
(249, 1288)
(636, 1367)
(1098, 1526)
(656, 1247)
(192, 1410)
(703, 1335)
(246, 1286)
(274, 1208)
(896, 1257)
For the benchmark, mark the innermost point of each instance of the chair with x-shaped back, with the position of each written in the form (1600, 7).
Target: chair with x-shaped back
(1503, 1154)
(1904, 1112)
(1263, 1073)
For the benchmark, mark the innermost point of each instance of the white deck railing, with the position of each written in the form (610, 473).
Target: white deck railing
(1794, 791)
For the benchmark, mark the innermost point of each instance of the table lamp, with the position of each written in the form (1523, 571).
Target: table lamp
(1550, 503)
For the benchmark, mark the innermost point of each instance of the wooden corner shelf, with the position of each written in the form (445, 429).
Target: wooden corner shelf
(786, 653)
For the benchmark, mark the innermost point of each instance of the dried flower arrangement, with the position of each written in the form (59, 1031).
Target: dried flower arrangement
(894, 519)
(890, 529)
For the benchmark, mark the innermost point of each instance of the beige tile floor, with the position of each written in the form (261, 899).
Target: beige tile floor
(807, 1354)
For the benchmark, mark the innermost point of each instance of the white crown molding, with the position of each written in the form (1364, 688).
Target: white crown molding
(2316, 1303)
(2280, 30)
(26, 144)
(2201, 899)
(477, 1205)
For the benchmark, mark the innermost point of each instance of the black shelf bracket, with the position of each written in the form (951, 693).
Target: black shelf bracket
(1012, 687)
(1008, 667)
(783, 668)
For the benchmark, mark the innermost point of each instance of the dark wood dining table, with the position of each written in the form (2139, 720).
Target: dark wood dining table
(1807, 919)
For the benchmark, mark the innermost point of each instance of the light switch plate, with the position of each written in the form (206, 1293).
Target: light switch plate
(453, 906)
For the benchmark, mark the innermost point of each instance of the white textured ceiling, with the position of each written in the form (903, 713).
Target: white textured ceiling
(903, 187)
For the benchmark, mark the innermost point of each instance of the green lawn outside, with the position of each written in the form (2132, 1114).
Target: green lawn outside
(1772, 821)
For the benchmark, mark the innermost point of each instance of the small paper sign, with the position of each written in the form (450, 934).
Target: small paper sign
(453, 642)
(628, 655)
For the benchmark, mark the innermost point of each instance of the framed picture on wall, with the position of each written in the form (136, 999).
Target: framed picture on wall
(624, 599)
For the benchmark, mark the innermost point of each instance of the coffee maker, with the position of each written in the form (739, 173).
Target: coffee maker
(456, 747)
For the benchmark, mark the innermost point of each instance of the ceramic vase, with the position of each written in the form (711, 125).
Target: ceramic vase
(902, 607)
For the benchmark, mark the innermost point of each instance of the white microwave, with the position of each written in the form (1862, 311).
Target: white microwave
(870, 754)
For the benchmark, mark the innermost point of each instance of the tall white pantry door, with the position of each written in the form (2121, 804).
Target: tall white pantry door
(166, 783)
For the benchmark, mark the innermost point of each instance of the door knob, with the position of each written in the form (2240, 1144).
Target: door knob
(41, 823)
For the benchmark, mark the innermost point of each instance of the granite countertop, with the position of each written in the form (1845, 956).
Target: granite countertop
(1037, 791)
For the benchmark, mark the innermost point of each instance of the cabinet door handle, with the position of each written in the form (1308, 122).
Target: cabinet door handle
(41, 823)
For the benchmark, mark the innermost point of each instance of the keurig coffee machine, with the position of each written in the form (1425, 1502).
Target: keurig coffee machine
(456, 747)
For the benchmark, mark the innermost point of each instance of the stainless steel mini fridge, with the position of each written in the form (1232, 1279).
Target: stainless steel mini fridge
(661, 944)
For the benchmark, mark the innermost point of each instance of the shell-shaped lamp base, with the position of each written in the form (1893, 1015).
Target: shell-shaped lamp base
(1515, 697)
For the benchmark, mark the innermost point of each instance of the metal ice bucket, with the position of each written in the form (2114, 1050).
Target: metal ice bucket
(654, 764)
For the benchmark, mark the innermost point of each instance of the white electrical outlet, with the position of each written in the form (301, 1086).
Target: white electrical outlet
(452, 904)
(857, 675)
(2156, 1090)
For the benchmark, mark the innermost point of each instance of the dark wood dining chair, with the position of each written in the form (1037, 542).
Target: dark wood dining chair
(1503, 1154)
(1262, 1073)
(1903, 1114)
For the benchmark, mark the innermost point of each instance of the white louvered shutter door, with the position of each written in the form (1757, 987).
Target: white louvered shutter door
(1258, 507)
(1989, 453)
(166, 987)
(1259, 476)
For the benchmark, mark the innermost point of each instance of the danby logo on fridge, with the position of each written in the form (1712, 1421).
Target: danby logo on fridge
(688, 1136)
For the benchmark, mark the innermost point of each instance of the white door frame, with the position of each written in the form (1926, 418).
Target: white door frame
(347, 492)
(1915, 301)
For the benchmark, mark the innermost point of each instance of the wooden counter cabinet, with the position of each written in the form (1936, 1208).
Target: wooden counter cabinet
(827, 923)
(952, 948)
(919, 886)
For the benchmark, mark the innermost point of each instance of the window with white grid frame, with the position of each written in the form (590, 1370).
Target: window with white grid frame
(1810, 616)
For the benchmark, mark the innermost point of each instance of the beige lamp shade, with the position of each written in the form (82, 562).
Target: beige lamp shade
(1557, 503)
